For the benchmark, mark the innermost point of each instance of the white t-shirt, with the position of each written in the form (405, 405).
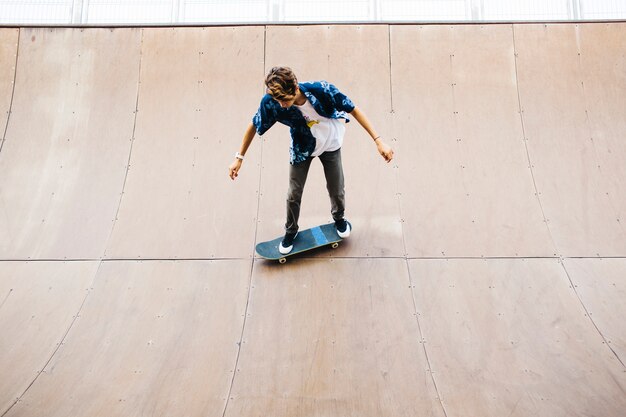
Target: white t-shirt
(328, 133)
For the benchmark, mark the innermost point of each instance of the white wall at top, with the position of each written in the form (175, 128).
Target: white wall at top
(138, 12)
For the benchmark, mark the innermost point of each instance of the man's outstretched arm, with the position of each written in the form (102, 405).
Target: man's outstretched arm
(233, 169)
(385, 150)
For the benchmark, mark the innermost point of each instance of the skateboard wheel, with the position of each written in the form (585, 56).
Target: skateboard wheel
(282, 260)
(335, 245)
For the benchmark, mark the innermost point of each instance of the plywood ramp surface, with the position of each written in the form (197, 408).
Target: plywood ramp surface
(467, 188)
(8, 58)
(332, 338)
(198, 87)
(485, 273)
(601, 286)
(510, 337)
(154, 338)
(66, 150)
(572, 86)
(38, 304)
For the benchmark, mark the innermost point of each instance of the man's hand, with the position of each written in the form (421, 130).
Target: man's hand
(233, 169)
(384, 150)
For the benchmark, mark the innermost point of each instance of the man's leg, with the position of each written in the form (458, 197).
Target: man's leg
(333, 170)
(297, 179)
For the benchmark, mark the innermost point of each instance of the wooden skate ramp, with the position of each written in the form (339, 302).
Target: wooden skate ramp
(485, 276)
(65, 154)
(198, 87)
(571, 93)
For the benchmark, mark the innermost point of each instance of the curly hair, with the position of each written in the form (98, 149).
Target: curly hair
(281, 83)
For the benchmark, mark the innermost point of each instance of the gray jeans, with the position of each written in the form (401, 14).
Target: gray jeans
(333, 170)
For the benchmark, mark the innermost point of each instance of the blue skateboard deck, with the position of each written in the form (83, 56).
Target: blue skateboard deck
(308, 239)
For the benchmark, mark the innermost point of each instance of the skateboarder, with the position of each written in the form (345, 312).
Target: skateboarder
(315, 112)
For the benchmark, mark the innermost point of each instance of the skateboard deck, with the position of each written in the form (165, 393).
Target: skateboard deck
(308, 239)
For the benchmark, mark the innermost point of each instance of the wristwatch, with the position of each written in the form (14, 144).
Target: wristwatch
(239, 156)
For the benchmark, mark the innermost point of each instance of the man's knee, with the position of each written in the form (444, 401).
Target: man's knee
(294, 194)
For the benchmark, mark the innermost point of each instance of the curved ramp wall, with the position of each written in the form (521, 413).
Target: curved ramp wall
(485, 275)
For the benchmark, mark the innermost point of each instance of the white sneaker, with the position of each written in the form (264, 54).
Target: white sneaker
(286, 245)
(343, 228)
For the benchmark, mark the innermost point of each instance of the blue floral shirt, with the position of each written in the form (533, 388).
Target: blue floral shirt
(327, 101)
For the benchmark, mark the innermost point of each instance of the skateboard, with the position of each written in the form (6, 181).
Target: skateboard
(308, 239)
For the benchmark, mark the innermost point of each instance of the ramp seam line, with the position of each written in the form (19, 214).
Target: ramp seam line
(326, 258)
(253, 260)
(6, 126)
(459, 137)
(61, 342)
(525, 140)
(396, 166)
(589, 126)
(321, 258)
(258, 205)
(6, 298)
(606, 342)
(243, 329)
(132, 143)
(406, 253)
(422, 340)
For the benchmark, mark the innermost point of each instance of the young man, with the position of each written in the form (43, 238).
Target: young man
(315, 112)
